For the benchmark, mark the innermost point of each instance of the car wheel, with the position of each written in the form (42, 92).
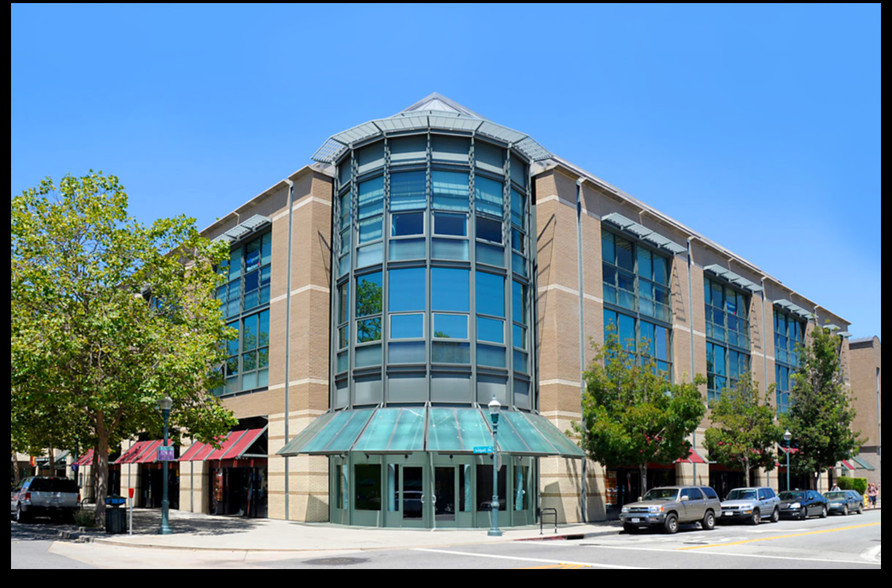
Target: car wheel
(803, 513)
(824, 511)
(20, 515)
(754, 520)
(860, 508)
(845, 510)
(708, 522)
(671, 524)
(775, 516)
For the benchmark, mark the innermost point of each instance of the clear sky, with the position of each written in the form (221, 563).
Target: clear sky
(757, 126)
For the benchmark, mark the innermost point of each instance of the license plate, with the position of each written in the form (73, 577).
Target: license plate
(636, 520)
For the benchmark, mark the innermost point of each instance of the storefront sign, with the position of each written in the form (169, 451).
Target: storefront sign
(165, 453)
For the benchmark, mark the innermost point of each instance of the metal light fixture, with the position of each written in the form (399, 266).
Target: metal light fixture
(494, 408)
(787, 437)
(165, 404)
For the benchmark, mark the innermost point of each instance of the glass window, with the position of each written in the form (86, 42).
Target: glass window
(490, 294)
(406, 326)
(450, 190)
(450, 326)
(489, 229)
(371, 197)
(488, 196)
(450, 224)
(408, 190)
(450, 289)
(368, 294)
(406, 289)
(408, 223)
(492, 330)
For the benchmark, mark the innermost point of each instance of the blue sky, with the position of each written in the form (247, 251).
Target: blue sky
(756, 125)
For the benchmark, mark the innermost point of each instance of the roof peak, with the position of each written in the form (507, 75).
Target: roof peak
(438, 102)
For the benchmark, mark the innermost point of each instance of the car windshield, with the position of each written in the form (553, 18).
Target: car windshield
(661, 494)
(835, 495)
(742, 494)
(791, 495)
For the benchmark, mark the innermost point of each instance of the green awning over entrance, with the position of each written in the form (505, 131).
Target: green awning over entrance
(430, 428)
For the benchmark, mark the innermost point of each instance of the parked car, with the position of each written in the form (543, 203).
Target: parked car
(45, 496)
(668, 506)
(751, 505)
(802, 504)
(844, 501)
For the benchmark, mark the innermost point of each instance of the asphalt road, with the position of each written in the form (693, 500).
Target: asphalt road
(837, 542)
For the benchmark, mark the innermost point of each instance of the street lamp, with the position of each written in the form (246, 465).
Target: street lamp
(165, 404)
(494, 408)
(787, 436)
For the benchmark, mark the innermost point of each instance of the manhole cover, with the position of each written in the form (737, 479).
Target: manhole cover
(336, 561)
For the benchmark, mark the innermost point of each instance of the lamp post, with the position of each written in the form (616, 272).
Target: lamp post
(494, 408)
(787, 436)
(165, 404)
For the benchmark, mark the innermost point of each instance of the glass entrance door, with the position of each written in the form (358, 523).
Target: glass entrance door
(445, 493)
(411, 495)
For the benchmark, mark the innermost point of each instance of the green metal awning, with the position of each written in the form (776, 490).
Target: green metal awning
(428, 428)
(863, 464)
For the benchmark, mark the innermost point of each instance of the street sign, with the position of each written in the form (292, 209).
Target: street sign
(483, 449)
(165, 453)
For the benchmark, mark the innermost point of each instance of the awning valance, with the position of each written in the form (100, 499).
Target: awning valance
(428, 428)
(233, 446)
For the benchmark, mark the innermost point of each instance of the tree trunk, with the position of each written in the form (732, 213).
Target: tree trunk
(100, 471)
(17, 476)
(643, 472)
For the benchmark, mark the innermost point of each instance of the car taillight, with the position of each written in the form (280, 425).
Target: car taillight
(27, 496)
(78, 497)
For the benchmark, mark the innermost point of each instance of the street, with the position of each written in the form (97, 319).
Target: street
(837, 542)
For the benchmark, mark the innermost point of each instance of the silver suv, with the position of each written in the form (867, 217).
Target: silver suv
(39, 495)
(751, 504)
(668, 506)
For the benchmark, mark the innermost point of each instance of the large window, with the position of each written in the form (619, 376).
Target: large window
(727, 337)
(788, 333)
(245, 304)
(636, 298)
(432, 239)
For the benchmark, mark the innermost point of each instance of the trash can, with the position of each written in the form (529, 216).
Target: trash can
(115, 516)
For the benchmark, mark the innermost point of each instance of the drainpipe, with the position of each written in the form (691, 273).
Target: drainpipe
(290, 201)
(691, 327)
(581, 336)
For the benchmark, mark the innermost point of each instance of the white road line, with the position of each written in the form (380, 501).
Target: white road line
(531, 559)
(725, 553)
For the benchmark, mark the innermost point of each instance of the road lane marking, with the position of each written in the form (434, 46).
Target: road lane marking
(776, 537)
(531, 559)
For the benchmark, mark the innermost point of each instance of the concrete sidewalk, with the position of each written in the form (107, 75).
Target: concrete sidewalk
(204, 532)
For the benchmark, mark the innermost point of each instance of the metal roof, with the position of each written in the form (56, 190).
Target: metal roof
(434, 112)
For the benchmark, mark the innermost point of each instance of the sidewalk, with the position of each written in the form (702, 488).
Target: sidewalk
(206, 532)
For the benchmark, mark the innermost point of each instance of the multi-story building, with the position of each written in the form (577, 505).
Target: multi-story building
(428, 263)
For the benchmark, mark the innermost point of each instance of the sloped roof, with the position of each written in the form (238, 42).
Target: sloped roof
(434, 111)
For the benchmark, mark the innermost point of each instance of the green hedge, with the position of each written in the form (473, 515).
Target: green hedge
(857, 484)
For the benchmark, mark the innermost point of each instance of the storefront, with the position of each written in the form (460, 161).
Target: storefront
(431, 467)
(236, 472)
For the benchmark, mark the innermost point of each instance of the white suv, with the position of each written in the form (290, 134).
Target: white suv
(39, 495)
(751, 505)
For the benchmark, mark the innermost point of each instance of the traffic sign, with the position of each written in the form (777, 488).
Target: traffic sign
(483, 449)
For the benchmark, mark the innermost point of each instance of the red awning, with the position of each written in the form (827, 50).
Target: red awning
(86, 459)
(150, 452)
(233, 446)
(791, 450)
(131, 455)
(693, 457)
(847, 465)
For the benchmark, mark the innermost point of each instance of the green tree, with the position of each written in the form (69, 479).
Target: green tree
(821, 411)
(743, 432)
(109, 316)
(632, 415)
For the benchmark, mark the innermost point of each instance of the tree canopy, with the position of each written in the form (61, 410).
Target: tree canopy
(821, 411)
(109, 316)
(632, 414)
(743, 431)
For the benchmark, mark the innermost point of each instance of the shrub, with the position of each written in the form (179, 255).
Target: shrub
(859, 485)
